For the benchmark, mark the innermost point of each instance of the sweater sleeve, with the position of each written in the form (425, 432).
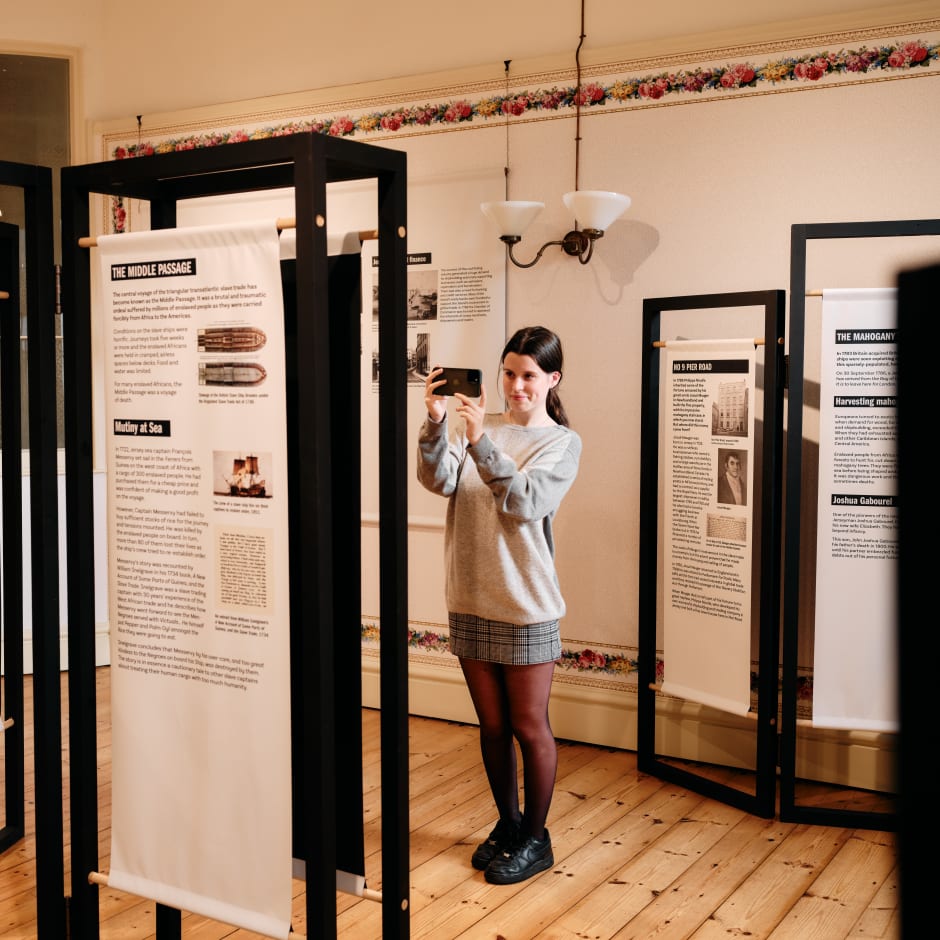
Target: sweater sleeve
(439, 459)
(535, 490)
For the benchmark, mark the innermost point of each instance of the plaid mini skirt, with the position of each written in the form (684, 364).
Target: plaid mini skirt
(496, 642)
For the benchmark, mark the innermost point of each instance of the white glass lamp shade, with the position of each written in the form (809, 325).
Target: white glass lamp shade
(594, 208)
(511, 218)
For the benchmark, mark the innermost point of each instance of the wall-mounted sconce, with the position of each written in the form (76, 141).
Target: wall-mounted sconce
(594, 210)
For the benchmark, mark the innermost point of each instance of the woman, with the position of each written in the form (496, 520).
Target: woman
(505, 476)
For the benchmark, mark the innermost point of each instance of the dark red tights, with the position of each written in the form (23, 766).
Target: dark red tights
(511, 703)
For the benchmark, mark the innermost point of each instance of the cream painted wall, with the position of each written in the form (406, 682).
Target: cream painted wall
(716, 187)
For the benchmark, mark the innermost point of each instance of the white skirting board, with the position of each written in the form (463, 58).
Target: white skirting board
(608, 718)
(102, 650)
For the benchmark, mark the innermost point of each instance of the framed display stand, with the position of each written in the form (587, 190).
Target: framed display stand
(36, 186)
(320, 609)
(11, 704)
(650, 753)
(794, 586)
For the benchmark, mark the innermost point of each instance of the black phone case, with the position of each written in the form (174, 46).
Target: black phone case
(465, 381)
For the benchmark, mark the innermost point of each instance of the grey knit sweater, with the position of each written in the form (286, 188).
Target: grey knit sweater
(503, 493)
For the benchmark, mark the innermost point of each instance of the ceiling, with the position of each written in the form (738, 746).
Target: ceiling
(257, 50)
(415, 37)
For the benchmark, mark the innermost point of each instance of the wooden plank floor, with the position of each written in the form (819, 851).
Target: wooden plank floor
(634, 858)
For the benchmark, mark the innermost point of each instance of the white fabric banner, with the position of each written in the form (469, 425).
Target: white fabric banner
(456, 317)
(193, 330)
(708, 521)
(855, 647)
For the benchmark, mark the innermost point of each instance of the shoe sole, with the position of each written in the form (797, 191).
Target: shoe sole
(495, 878)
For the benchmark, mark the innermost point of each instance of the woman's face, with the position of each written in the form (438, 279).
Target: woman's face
(525, 385)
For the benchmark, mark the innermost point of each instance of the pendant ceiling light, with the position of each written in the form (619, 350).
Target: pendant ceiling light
(593, 210)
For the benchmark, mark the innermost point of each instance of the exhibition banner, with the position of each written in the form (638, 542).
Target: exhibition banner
(193, 333)
(708, 525)
(856, 628)
(455, 316)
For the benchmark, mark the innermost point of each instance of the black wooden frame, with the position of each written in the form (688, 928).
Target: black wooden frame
(800, 235)
(12, 710)
(308, 163)
(762, 801)
(36, 184)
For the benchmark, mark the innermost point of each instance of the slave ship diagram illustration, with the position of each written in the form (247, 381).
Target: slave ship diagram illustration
(231, 373)
(231, 340)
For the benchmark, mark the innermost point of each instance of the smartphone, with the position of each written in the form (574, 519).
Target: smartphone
(465, 381)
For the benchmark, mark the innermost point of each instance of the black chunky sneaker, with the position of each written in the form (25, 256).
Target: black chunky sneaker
(523, 860)
(505, 833)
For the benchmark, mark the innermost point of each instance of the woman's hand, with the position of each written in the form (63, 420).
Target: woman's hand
(436, 404)
(473, 411)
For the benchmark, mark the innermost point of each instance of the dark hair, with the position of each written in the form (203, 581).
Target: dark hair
(544, 347)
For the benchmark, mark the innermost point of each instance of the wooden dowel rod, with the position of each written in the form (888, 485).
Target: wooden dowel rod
(801, 722)
(349, 884)
(4, 295)
(90, 241)
(808, 723)
(99, 878)
(8, 723)
(814, 293)
(758, 341)
(657, 687)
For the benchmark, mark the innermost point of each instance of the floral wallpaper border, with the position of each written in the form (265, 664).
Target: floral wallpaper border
(820, 67)
(580, 663)
(585, 661)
